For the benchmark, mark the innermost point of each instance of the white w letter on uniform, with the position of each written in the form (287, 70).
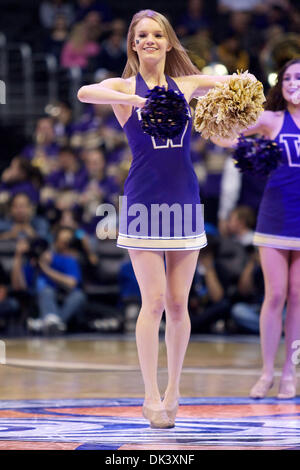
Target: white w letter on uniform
(292, 147)
(167, 143)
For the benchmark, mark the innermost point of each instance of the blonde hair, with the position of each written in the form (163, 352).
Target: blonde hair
(177, 63)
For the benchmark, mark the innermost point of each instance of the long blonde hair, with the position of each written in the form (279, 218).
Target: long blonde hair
(178, 62)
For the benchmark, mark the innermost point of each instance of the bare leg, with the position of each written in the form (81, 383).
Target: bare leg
(150, 273)
(181, 267)
(292, 325)
(275, 266)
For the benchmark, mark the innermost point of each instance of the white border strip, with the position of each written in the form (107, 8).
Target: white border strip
(88, 367)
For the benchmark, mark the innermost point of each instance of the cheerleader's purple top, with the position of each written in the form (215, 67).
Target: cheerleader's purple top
(161, 208)
(278, 223)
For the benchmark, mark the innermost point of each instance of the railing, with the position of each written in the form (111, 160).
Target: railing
(32, 81)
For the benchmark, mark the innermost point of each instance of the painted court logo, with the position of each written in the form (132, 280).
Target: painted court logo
(117, 424)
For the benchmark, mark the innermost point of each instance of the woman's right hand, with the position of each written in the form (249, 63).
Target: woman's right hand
(139, 101)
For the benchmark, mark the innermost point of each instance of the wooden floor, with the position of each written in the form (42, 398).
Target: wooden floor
(86, 393)
(101, 366)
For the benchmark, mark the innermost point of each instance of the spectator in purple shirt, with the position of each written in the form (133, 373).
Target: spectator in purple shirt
(20, 176)
(64, 185)
(44, 150)
(97, 127)
(100, 188)
(62, 115)
(71, 173)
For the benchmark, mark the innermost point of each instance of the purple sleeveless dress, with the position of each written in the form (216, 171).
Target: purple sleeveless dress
(278, 223)
(161, 207)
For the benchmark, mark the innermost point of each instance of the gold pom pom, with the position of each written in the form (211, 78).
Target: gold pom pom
(229, 108)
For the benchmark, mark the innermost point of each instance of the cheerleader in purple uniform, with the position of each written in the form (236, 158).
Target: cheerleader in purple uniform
(278, 232)
(161, 173)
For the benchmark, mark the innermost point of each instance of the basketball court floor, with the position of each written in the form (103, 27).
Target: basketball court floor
(86, 392)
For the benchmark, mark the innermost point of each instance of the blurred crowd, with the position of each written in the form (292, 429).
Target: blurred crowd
(59, 272)
(239, 34)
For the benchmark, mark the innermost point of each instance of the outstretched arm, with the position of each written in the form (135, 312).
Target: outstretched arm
(202, 83)
(111, 91)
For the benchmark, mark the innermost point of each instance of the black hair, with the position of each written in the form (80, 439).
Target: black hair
(20, 193)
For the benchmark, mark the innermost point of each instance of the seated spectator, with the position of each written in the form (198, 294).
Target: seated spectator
(238, 5)
(209, 160)
(230, 260)
(232, 54)
(97, 127)
(20, 176)
(278, 15)
(9, 307)
(200, 47)
(250, 293)
(54, 275)
(208, 303)
(110, 130)
(56, 39)
(119, 168)
(294, 17)
(49, 10)
(193, 19)
(237, 189)
(100, 188)
(86, 134)
(62, 116)
(241, 223)
(44, 150)
(71, 173)
(119, 25)
(78, 50)
(86, 6)
(113, 56)
(95, 26)
(130, 295)
(21, 221)
(63, 186)
(83, 243)
(246, 309)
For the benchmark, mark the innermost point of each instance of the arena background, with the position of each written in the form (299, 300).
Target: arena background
(59, 160)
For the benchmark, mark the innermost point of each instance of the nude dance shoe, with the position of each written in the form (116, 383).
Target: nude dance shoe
(172, 412)
(287, 388)
(261, 388)
(159, 419)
